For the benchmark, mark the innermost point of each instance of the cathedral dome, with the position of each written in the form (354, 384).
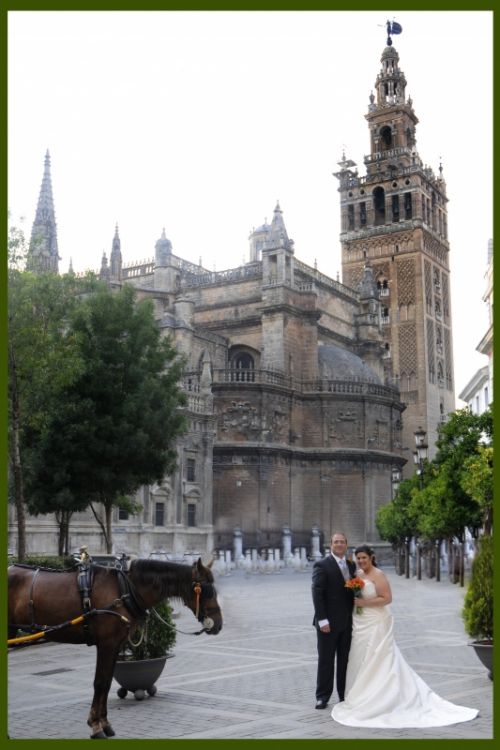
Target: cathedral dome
(340, 364)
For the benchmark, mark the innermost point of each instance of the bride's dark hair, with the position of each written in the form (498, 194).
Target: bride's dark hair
(368, 550)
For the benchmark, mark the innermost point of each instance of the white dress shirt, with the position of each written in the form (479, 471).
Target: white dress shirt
(338, 560)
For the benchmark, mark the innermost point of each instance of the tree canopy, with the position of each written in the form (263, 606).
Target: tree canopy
(94, 395)
(457, 489)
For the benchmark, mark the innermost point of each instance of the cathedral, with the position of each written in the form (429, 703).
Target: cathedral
(304, 393)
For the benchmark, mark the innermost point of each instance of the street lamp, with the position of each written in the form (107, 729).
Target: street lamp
(419, 456)
(396, 479)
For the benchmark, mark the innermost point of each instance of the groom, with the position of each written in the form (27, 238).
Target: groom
(333, 604)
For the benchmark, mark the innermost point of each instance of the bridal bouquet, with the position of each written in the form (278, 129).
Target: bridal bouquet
(356, 585)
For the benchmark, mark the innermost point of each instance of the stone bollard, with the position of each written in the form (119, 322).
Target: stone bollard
(229, 563)
(247, 562)
(286, 540)
(315, 539)
(238, 547)
(278, 562)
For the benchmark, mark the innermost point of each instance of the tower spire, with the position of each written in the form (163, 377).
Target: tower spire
(43, 255)
(116, 258)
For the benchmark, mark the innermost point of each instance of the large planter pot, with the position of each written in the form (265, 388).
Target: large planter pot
(484, 652)
(138, 677)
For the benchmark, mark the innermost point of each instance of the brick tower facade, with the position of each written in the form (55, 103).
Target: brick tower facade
(394, 218)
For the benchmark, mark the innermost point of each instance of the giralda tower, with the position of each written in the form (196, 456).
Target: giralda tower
(394, 218)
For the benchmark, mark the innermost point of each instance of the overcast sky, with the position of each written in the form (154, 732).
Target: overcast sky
(200, 121)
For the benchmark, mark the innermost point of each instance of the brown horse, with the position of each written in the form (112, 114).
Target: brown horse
(118, 601)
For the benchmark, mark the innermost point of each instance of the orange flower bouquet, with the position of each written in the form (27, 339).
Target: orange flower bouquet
(356, 585)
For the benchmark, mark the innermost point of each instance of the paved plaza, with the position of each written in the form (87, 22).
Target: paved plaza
(256, 679)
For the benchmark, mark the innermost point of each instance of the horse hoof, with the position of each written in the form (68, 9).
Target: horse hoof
(109, 731)
(98, 736)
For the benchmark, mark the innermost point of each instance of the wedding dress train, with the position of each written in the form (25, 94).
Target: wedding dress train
(382, 690)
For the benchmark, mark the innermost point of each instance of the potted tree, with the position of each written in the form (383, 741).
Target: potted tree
(478, 604)
(143, 658)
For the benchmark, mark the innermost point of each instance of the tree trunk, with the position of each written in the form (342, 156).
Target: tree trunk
(15, 459)
(103, 527)
(63, 518)
(108, 507)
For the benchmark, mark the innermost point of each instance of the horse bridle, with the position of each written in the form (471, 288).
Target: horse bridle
(202, 592)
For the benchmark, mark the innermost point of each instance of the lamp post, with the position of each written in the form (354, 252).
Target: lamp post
(419, 457)
(395, 480)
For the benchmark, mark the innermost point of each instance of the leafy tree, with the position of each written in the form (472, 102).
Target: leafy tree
(120, 417)
(393, 521)
(42, 360)
(478, 603)
(477, 481)
(445, 506)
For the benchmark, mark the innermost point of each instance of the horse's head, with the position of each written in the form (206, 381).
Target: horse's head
(204, 603)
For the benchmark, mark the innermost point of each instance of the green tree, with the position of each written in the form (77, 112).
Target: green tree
(477, 481)
(444, 507)
(42, 361)
(393, 521)
(478, 603)
(120, 417)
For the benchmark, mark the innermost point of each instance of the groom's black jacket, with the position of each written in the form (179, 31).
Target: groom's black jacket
(332, 600)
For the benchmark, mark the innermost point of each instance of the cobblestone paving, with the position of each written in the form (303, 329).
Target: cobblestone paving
(256, 678)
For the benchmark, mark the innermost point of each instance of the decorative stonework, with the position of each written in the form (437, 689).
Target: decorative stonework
(428, 285)
(345, 426)
(430, 347)
(446, 298)
(406, 282)
(408, 348)
(448, 360)
(241, 417)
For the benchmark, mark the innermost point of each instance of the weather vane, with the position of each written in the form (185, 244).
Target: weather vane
(392, 28)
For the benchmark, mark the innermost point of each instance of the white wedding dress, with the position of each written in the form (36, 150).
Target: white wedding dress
(382, 690)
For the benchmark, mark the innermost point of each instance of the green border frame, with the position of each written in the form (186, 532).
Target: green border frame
(47, 5)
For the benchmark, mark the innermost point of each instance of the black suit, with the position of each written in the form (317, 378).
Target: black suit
(332, 602)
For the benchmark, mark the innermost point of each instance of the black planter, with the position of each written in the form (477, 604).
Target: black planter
(484, 652)
(138, 677)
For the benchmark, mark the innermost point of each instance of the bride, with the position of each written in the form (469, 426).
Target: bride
(382, 690)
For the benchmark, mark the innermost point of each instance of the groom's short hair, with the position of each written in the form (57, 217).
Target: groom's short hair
(338, 533)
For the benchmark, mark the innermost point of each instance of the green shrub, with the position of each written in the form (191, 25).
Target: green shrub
(477, 612)
(154, 639)
(46, 561)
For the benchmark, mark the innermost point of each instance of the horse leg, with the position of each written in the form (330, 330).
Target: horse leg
(106, 658)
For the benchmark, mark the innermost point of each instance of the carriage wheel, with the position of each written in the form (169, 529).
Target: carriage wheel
(139, 695)
(152, 690)
(122, 692)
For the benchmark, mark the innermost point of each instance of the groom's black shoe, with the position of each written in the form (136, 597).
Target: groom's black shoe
(321, 704)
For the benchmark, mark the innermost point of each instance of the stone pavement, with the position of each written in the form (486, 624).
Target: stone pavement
(256, 678)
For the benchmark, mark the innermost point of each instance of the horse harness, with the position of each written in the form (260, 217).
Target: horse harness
(85, 579)
(129, 597)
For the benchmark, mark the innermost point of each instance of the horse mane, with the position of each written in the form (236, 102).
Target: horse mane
(169, 578)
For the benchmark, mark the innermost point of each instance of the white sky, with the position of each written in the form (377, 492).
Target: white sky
(199, 121)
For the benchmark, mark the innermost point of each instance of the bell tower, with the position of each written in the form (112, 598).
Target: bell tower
(395, 218)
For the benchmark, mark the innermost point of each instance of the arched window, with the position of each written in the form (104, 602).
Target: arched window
(440, 374)
(379, 205)
(243, 367)
(386, 137)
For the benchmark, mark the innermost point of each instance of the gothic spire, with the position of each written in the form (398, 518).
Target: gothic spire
(116, 258)
(43, 255)
(163, 250)
(279, 236)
